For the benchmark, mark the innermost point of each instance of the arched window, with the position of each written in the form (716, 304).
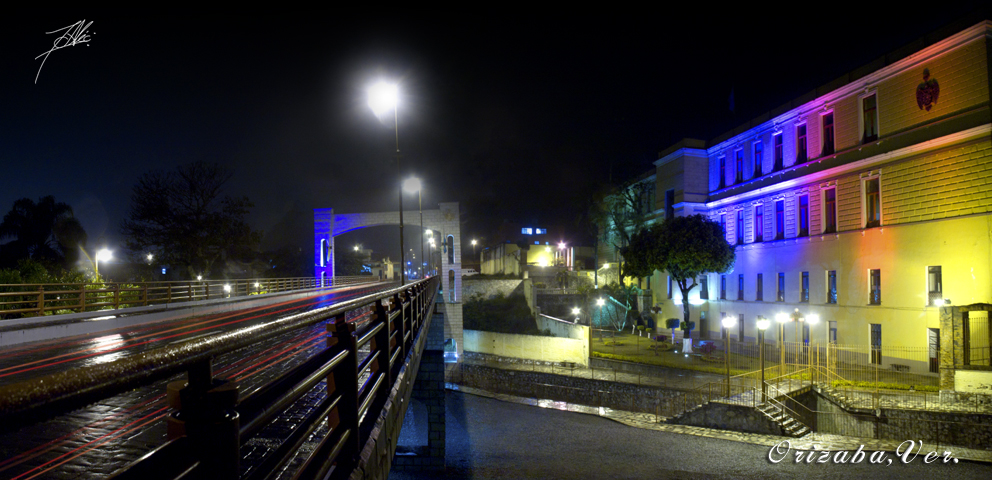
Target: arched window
(323, 252)
(450, 245)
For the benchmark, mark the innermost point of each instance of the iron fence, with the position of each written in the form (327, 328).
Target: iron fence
(18, 300)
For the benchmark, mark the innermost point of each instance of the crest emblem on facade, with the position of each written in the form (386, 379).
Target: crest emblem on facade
(927, 92)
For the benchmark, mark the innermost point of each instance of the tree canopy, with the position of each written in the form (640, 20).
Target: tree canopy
(45, 231)
(685, 247)
(183, 219)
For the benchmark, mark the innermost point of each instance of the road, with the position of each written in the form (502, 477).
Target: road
(95, 441)
(489, 439)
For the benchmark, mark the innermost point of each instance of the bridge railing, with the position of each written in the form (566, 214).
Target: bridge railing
(33, 299)
(210, 422)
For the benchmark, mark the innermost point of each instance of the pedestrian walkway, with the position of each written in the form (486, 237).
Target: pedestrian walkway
(813, 441)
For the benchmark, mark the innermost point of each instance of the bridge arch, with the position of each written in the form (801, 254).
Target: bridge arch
(444, 221)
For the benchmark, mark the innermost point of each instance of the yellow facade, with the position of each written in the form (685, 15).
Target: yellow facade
(931, 168)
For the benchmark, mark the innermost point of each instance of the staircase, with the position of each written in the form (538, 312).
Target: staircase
(790, 426)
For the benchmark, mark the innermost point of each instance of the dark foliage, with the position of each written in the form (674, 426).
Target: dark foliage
(182, 218)
(500, 314)
(45, 231)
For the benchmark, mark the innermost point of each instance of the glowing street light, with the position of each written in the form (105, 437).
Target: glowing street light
(575, 311)
(383, 97)
(102, 255)
(150, 257)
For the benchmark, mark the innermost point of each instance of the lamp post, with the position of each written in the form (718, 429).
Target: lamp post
(576, 311)
(728, 323)
(382, 98)
(411, 185)
(763, 324)
(812, 319)
(102, 255)
(781, 318)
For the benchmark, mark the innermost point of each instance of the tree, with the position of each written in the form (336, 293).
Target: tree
(685, 247)
(349, 263)
(45, 231)
(181, 218)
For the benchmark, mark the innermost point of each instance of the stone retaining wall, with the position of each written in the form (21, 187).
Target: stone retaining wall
(725, 416)
(584, 391)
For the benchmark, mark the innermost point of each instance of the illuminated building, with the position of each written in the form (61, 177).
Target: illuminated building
(866, 202)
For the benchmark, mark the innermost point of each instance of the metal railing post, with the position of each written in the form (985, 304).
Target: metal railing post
(343, 381)
(41, 299)
(205, 414)
(381, 343)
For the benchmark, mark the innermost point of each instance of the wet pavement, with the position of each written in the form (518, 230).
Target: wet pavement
(507, 437)
(97, 440)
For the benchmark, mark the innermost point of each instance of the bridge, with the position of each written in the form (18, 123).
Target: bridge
(314, 382)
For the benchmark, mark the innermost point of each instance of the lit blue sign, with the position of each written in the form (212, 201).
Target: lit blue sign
(527, 231)
(540, 231)
(163, 271)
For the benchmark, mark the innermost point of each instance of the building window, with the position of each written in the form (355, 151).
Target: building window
(723, 225)
(875, 287)
(779, 219)
(801, 143)
(869, 119)
(723, 172)
(740, 286)
(779, 152)
(704, 288)
(804, 216)
(759, 224)
(830, 210)
(935, 289)
(872, 203)
(723, 287)
(669, 203)
(740, 327)
(832, 332)
(832, 286)
(739, 154)
(781, 287)
(669, 287)
(759, 289)
(757, 159)
(828, 133)
(804, 296)
(740, 227)
(876, 343)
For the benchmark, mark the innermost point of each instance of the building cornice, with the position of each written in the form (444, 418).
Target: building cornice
(975, 33)
(682, 152)
(856, 166)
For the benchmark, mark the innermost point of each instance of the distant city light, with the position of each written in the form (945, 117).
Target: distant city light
(227, 288)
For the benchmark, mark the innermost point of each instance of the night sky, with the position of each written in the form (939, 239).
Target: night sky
(517, 117)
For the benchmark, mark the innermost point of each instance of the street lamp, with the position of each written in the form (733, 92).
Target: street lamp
(576, 311)
(763, 324)
(728, 323)
(102, 255)
(150, 257)
(411, 185)
(781, 318)
(384, 97)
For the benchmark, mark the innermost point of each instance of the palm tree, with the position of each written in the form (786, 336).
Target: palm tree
(45, 231)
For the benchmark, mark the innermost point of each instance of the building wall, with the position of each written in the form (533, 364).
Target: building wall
(530, 347)
(934, 169)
